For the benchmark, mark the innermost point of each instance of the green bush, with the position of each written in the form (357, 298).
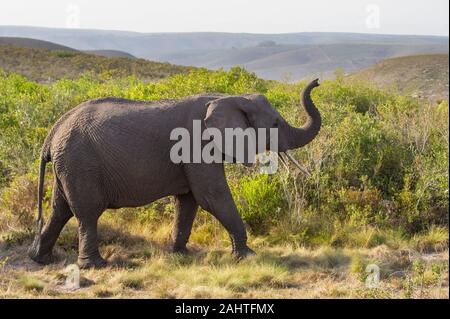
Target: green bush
(363, 148)
(260, 200)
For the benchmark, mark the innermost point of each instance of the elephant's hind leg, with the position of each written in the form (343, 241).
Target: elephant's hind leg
(88, 254)
(86, 200)
(185, 211)
(41, 250)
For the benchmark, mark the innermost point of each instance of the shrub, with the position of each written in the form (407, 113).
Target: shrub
(260, 201)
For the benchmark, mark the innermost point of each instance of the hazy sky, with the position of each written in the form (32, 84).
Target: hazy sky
(257, 16)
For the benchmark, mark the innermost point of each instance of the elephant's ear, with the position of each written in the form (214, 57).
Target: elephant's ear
(230, 113)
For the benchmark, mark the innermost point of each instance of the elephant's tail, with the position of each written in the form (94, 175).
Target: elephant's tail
(33, 252)
(45, 158)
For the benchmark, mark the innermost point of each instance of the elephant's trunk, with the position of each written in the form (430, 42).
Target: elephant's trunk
(300, 136)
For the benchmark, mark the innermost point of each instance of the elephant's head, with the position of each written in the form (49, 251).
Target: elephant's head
(254, 110)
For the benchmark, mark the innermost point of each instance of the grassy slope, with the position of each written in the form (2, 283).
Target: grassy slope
(418, 75)
(43, 65)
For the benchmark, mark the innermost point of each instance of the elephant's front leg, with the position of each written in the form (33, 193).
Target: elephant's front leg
(222, 206)
(211, 191)
(185, 211)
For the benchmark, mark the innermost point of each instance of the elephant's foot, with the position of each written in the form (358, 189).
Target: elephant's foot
(91, 262)
(242, 252)
(39, 255)
(181, 250)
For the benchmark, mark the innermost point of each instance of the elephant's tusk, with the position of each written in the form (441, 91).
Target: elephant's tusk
(293, 160)
(283, 161)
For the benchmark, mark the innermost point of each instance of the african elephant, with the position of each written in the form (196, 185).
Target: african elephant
(113, 153)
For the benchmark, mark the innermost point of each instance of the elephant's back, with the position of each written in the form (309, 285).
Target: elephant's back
(98, 114)
(97, 123)
(115, 141)
(123, 125)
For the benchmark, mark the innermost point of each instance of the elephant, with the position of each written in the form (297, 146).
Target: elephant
(110, 153)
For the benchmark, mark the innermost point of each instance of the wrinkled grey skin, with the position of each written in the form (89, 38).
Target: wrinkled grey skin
(112, 153)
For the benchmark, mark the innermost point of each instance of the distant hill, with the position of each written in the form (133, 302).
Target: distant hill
(111, 53)
(271, 56)
(424, 76)
(44, 65)
(297, 62)
(42, 44)
(34, 44)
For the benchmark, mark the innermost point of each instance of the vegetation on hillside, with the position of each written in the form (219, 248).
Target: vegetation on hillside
(378, 185)
(111, 53)
(422, 76)
(51, 65)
